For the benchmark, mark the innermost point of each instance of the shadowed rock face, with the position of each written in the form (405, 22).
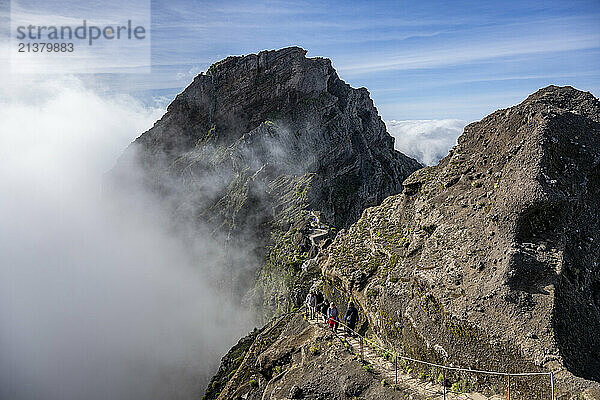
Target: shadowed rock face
(489, 260)
(281, 110)
(261, 146)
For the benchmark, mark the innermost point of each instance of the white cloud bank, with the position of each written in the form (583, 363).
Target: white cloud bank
(94, 303)
(428, 141)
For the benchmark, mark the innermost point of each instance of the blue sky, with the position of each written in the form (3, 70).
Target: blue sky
(419, 59)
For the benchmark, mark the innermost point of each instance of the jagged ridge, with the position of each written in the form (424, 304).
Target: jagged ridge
(489, 259)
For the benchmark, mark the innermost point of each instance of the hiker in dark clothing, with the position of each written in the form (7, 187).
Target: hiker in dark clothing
(332, 317)
(319, 298)
(351, 318)
(323, 309)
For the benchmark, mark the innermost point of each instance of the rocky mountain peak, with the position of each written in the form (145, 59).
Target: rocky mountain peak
(565, 98)
(488, 260)
(239, 93)
(261, 148)
(291, 56)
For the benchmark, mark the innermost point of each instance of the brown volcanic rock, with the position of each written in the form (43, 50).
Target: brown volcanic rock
(491, 258)
(282, 110)
(488, 260)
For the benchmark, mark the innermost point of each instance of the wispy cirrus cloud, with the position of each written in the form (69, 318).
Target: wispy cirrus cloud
(466, 53)
(461, 48)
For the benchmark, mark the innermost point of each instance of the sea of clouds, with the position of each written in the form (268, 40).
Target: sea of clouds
(95, 303)
(427, 141)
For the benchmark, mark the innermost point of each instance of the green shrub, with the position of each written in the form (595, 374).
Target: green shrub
(432, 374)
(459, 387)
(441, 380)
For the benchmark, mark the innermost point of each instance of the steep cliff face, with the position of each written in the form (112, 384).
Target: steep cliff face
(490, 259)
(260, 149)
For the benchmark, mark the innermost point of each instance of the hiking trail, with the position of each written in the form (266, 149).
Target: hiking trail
(385, 369)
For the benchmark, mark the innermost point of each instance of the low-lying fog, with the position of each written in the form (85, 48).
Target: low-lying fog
(98, 301)
(95, 303)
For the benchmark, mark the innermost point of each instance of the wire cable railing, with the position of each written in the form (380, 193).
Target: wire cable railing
(444, 368)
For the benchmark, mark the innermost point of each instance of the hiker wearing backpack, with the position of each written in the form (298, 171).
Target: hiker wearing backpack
(311, 302)
(350, 318)
(323, 310)
(332, 317)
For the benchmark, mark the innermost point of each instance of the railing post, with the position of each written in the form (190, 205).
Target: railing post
(444, 381)
(508, 385)
(396, 367)
(552, 384)
(362, 355)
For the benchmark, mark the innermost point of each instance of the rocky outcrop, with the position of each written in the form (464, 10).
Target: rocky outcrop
(489, 260)
(262, 149)
(292, 359)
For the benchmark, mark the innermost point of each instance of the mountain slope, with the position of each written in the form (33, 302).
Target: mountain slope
(489, 260)
(493, 254)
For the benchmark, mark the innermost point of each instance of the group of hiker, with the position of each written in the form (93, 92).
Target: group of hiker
(318, 307)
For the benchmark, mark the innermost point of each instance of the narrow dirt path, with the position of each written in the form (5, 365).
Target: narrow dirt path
(385, 369)
(316, 234)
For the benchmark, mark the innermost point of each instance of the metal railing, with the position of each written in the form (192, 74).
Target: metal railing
(444, 368)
